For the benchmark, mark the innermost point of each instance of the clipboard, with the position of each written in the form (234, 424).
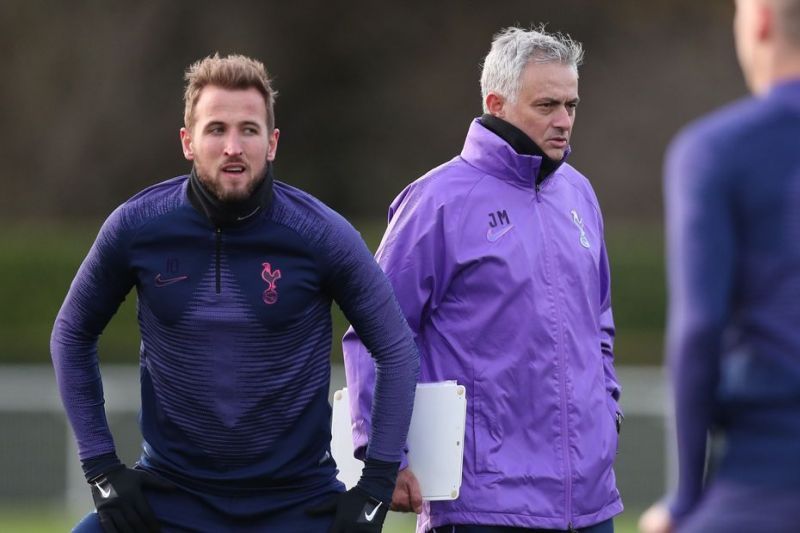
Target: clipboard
(435, 439)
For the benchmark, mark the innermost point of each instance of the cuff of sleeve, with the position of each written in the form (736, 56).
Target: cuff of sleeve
(360, 452)
(678, 508)
(97, 466)
(615, 392)
(378, 479)
(404, 460)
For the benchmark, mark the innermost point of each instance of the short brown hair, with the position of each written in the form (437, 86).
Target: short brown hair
(230, 72)
(788, 15)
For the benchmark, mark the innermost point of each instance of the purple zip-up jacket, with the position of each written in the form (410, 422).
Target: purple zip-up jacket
(506, 287)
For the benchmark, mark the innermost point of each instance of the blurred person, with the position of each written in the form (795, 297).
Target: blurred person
(235, 273)
(732, 187)
(498, 261)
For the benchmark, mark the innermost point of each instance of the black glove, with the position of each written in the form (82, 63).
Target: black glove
(120, 502)
(356, 512)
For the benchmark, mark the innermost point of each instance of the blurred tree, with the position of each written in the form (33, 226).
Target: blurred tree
(372, 94)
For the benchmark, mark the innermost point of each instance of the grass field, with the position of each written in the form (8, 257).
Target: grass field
(29, 520)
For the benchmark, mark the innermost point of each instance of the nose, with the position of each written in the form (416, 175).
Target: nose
(233, 145)
(562, 119)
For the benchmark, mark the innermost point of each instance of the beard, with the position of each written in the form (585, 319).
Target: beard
(224, 192)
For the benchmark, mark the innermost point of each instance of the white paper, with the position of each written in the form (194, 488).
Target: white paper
(435, 439)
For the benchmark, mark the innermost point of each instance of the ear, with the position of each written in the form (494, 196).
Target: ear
(764, 23)
(272, 149)
(496, 104)
(186, 144)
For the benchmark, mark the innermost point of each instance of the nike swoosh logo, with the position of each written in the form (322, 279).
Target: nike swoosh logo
(367, 516)
(492, 235)
(163, 282)
(105, 493)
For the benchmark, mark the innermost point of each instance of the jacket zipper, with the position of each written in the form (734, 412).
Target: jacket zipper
(218, 260)
(562, 374)
(564, 420)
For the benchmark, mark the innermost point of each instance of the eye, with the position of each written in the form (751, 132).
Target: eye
(250, 130)
(216, 130)
(545, 107)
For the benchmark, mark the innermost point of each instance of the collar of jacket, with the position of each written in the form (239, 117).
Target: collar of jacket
(504, 151)
(230, 214)
(788, 91)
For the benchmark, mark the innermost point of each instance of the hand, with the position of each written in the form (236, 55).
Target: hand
(120, 502)
(656, 520)
(407, 496)
(356, 512)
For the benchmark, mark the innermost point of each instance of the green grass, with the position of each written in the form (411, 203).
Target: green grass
(48, 520)
(37, 264)
(404, 523)
(31, 520)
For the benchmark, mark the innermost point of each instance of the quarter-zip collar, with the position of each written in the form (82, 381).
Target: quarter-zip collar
(230, 214)
(506, 152)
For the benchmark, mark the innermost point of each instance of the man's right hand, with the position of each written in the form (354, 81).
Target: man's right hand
(407, 496)
(120, 502)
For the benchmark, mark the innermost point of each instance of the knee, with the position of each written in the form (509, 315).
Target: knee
(89, 524)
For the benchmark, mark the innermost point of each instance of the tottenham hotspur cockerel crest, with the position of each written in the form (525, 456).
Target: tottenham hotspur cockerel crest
(270, 295)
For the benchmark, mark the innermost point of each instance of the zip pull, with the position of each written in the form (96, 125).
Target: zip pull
(571, 529)
(218, 260)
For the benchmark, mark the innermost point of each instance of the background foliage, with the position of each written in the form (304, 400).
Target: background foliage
(372, 95)
(40, 262)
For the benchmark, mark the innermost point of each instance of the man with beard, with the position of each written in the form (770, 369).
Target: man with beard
(235, 273)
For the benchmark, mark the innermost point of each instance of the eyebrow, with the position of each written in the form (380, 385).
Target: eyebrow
(557, 101)
(250, 123)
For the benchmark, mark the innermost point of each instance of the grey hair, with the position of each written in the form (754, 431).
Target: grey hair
(513, 48)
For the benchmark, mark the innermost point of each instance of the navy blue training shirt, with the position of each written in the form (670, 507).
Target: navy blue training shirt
(732, 188)
(236, 337)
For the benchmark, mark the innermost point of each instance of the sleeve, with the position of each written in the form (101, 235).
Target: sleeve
(413, 254)
(701, 254)
(100, 286)
(366, 298)
(607, 330)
